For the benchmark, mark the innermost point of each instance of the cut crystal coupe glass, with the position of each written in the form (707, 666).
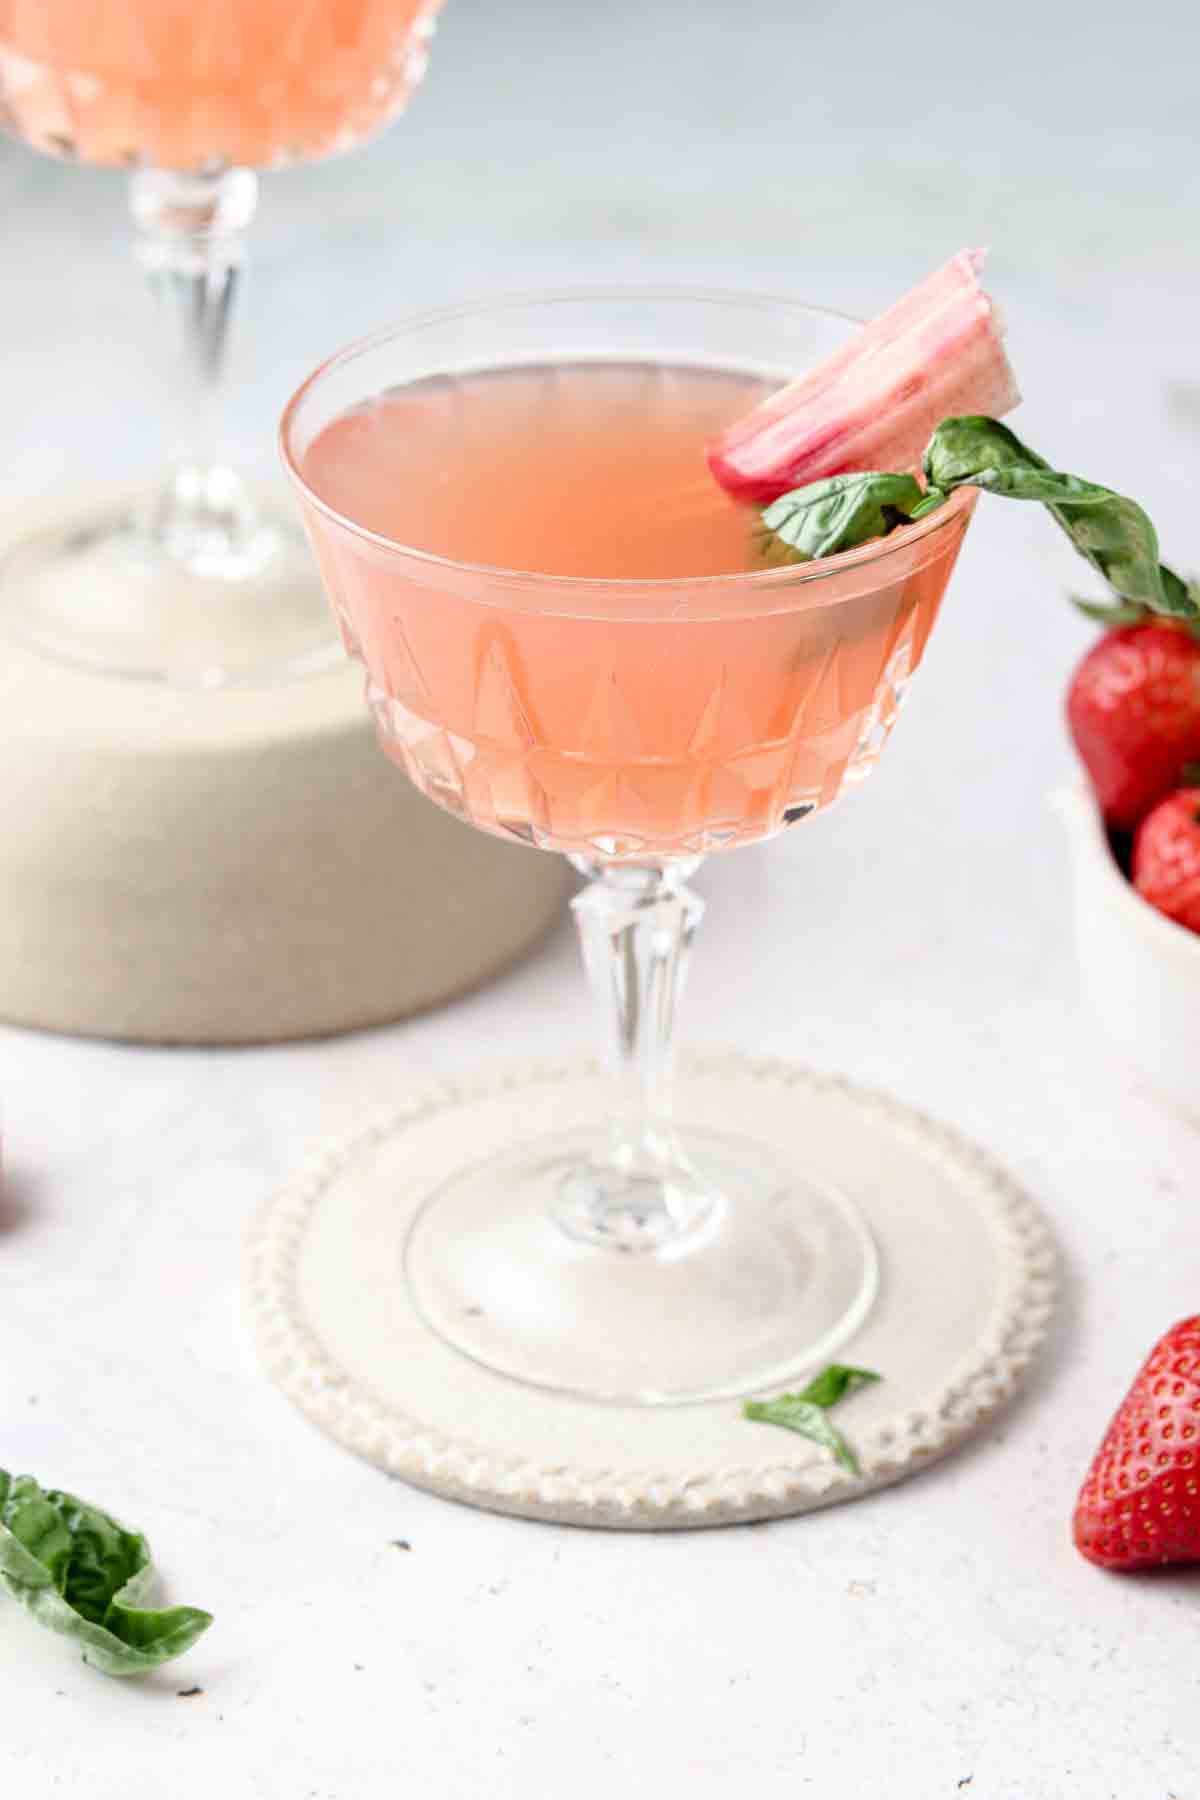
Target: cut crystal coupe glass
(198, 582)
(634, 725)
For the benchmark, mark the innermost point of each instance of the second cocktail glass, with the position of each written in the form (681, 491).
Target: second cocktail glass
(197, 582)
(635, 723)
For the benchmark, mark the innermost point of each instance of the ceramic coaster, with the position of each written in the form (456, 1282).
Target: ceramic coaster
(966, 1294)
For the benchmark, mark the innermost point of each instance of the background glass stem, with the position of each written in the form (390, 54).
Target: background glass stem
(191, 245)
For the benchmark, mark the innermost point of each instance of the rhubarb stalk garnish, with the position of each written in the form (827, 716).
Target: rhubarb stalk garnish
(874, 403)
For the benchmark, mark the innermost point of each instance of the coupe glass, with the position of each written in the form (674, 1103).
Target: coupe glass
(199, 582)
(634, 726)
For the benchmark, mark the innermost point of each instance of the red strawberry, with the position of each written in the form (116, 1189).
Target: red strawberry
(1166, 857)
(1134, 712)
(1140, 1504)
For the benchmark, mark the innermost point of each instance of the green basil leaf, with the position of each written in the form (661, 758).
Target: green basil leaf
(80, 1573)
(1108, 529)
(931, 499)
(796, 1414)
(834, 1382)
(838, 513)
(964, 448)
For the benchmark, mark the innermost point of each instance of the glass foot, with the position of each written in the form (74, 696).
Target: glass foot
(100, 591)
(763, 1282)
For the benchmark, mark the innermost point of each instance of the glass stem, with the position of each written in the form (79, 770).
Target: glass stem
(636, 925)
(191, 245)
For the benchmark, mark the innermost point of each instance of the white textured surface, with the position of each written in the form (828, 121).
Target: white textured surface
(917, 938)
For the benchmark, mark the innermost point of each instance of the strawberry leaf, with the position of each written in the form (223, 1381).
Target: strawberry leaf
(1121, 612)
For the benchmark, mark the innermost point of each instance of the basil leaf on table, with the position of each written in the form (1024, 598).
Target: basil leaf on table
(80, 1573)
(1111, 531)
(836, 514)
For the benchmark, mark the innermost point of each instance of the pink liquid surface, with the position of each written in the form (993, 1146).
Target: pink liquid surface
(184, 83)
(626, 720)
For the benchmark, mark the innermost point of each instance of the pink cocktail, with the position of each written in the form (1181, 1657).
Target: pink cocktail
(679, 702)
(197, 581)
(571, 638)
(230, 83)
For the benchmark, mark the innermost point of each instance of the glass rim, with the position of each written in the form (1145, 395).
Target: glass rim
(779, 575)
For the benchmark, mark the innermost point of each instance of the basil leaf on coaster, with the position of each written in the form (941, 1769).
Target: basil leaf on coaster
(839, 1379)
(80, 1573)
(807, 1411)
(810, 1421)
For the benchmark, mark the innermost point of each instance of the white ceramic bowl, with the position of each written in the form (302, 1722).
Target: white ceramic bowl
(1140, 971)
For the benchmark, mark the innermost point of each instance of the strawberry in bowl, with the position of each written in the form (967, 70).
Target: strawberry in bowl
(1166, 857)
(1133, 710)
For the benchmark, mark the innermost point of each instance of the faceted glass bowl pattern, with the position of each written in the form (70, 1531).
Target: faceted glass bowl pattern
(227, 83)
(618, 719)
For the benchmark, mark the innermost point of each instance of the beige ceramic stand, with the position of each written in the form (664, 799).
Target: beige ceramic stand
(966, 1297)
(234, 865)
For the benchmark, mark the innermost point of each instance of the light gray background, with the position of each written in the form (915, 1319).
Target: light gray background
(832, 151)
(916, 937)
